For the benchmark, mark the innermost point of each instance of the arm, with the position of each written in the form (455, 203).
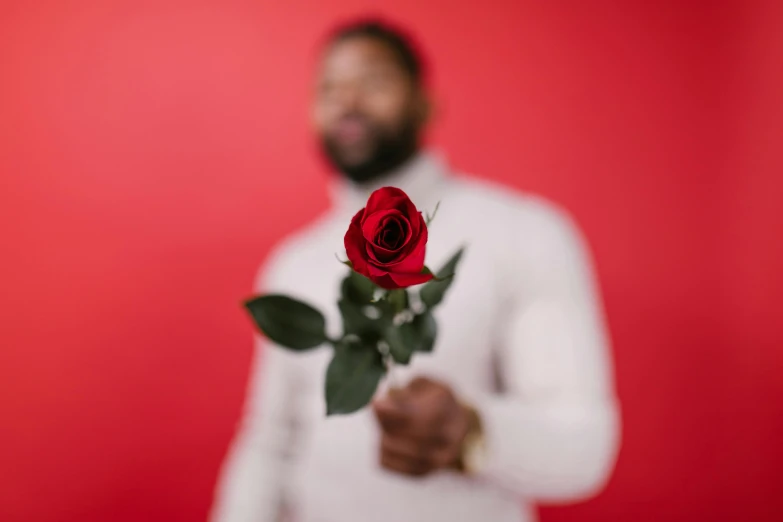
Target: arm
(553, 434)
(252, 482)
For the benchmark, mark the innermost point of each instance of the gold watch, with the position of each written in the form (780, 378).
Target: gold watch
(473, 452)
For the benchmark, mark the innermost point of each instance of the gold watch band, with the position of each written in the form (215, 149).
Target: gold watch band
(472, 452)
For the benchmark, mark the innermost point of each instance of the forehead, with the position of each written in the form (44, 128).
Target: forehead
(357, 54)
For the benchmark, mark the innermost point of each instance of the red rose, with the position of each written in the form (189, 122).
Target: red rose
(387, 239)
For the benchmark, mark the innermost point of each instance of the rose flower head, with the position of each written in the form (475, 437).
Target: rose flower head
(387, 239)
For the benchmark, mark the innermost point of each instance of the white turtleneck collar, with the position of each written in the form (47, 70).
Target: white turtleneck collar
(422, 178)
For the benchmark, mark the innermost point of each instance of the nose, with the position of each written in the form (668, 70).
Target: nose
(349, 98)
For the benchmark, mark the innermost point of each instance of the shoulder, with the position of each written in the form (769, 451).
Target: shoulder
(522, 213)
(537, 242)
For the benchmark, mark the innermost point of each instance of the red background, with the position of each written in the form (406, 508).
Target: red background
(153, 152)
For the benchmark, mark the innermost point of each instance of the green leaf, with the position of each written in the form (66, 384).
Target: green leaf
(407, 338)
(427, 330)
(288, 322)
(346, 262)
(433, 291)
(402, 341)
(354, 319)
(352, 376)
(357, 288)
(428, 219)
(357, 321)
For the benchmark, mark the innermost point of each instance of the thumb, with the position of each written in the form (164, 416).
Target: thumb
(392, 413)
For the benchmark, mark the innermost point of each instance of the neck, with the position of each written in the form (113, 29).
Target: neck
(419, 177)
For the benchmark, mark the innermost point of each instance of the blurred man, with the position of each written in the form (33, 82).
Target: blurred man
(514, 406)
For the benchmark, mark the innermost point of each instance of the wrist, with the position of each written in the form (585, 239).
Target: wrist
(472, 451)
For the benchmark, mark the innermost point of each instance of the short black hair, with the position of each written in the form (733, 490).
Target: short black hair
(397, 40)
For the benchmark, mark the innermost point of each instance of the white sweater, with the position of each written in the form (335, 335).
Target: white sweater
(521, 337)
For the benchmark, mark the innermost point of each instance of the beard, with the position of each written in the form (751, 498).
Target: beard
(388, 150)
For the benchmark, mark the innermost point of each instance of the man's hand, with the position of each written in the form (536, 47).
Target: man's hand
(423, 428)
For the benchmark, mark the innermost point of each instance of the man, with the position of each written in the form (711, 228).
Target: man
(514, 406)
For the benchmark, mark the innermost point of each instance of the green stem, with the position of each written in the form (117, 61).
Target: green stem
(388, 361)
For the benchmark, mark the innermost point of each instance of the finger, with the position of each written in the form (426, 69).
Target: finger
(398, 394)
(425, 422)
(431, 398)
(437, 400)
(406, 466)
(407, 447)
(413, 421)
(444, 456)
(392, 415)
(422, 386)
(420, 453)
(421, 411)
(424, 432)
(418, 384)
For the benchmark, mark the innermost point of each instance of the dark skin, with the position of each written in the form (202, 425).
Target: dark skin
(366, 103)
(423, 427)
(365, 100)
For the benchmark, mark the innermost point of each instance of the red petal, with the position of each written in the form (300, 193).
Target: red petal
(415, 218)
(379, 256)
(372, 223)
(386, 282)
(413, 261)
(406, 280)
(385, 198)
(380, 277)
(354, 245)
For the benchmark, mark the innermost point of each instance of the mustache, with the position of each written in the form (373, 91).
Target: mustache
(357, 117)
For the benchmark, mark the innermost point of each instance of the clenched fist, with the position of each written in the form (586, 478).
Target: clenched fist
(423, 428)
